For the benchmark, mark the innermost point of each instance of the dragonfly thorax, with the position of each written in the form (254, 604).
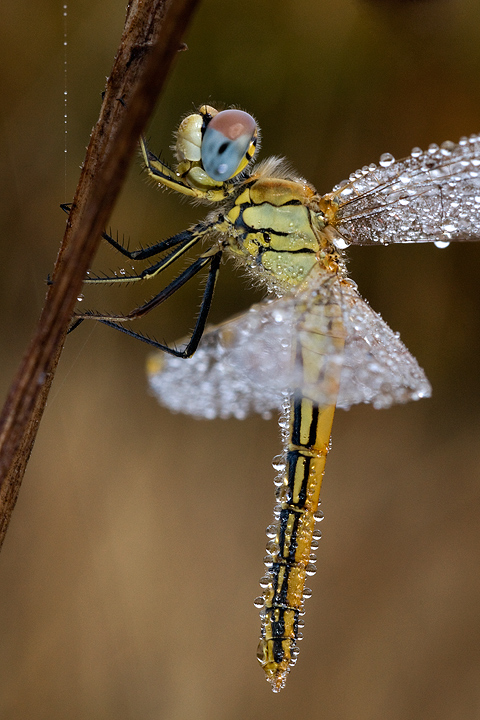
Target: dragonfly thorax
(274, 226)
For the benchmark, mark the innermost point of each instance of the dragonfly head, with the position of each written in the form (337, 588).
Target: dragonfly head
(213, 147)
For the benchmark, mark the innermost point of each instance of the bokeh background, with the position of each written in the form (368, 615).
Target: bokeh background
(129, 570)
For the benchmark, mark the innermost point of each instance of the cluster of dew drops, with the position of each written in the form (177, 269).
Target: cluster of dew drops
(446, 149)
(282, 498)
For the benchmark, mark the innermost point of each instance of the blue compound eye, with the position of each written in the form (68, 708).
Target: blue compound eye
(228, 144)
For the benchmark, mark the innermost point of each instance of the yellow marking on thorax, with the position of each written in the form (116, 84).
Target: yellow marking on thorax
(278, 191)
(290, 220)
(276, 222)
(289, 270)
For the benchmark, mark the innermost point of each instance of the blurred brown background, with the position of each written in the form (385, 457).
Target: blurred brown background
(134, 554)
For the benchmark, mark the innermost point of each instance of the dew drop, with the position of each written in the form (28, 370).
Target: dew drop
(340, 243)
(278, 463)
(449, 228)
(277, 511)
(447, 147)
(441, 244)
(272, 547)
(386, 160)
(283, 494)
(259, 601)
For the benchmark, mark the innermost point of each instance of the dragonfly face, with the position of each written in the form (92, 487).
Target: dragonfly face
(314, 344)
(212, 149)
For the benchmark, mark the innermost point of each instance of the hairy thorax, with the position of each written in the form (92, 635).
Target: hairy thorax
(275, 225)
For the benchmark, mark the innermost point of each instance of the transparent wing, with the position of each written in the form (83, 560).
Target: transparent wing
(431, 196)
(377, 367)
(241, 366)
(248, 364)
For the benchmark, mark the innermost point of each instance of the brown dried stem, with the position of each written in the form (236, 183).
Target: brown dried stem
(152, 37)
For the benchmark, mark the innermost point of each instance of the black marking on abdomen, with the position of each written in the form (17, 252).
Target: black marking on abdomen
(297, 424)
(285, 515)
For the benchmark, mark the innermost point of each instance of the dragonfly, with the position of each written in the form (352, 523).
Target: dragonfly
(313, 344)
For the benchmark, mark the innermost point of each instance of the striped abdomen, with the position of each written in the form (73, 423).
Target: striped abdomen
(291, 544)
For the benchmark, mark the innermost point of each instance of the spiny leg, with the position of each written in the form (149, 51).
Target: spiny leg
(191, 235)
(187, 237)
(184, 241)
(175, 285)
(164, 175)
(144, 275)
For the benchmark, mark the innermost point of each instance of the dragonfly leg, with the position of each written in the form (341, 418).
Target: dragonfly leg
(116, 321)
(185, 239)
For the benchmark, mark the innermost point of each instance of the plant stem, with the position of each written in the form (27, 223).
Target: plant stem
(151, 39)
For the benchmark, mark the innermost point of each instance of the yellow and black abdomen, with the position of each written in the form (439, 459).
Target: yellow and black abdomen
(291, 545)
